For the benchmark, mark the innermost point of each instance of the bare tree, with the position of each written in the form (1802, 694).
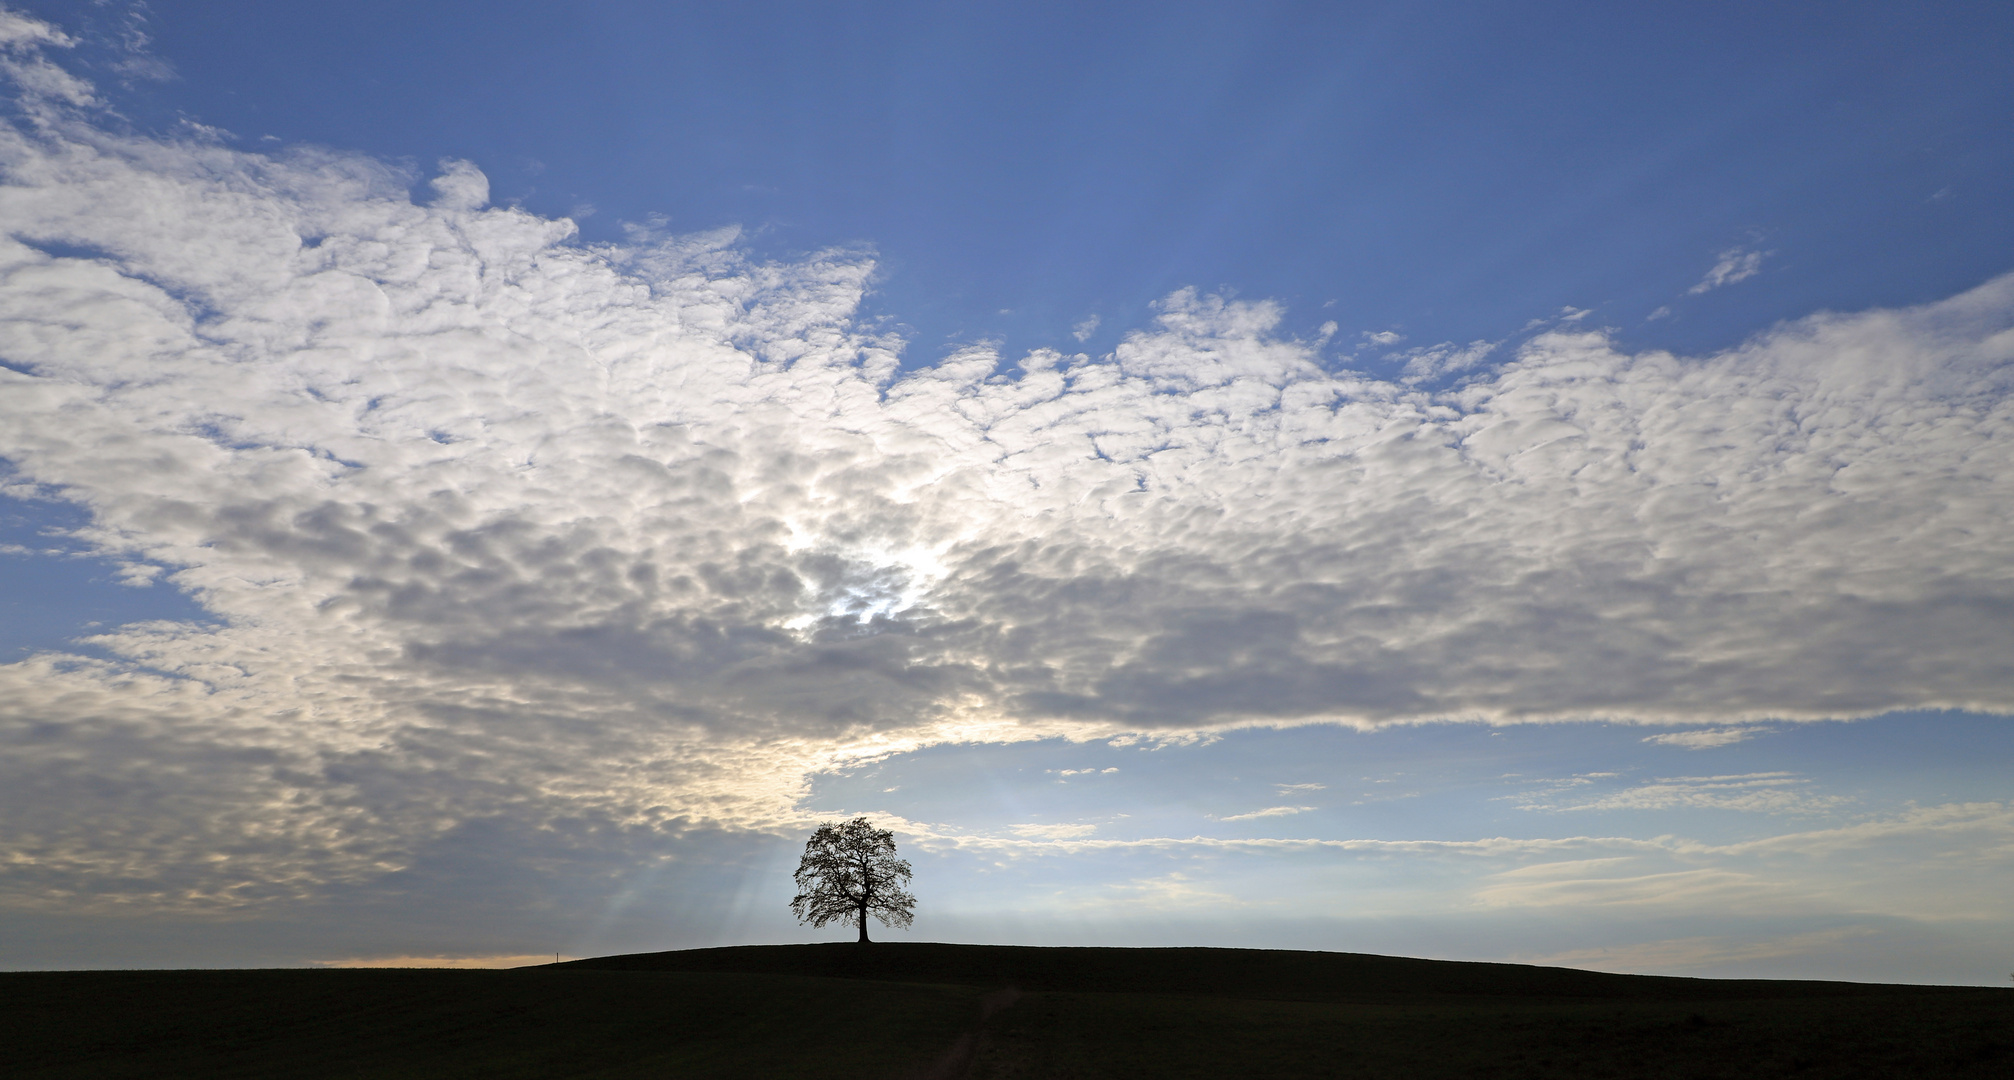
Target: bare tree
(850, 871)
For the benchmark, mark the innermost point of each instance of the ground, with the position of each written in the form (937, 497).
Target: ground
(913, 1011)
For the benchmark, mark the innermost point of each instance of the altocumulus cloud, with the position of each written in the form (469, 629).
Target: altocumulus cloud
(606, 544)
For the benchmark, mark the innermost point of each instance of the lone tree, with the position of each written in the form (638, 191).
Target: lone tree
(850, 871)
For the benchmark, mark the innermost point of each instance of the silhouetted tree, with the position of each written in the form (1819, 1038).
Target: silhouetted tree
(849, 871)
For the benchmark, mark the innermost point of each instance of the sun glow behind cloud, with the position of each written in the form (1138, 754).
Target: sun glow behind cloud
(621, 543)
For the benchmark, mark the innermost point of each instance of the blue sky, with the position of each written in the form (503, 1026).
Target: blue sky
(1445, 171)
(1488, 481)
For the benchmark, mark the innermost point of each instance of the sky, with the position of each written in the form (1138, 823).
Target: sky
(481, 482)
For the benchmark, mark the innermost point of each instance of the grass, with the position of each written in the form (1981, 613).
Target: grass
(1163, 1036)
(449, 1024)
(913, 1010)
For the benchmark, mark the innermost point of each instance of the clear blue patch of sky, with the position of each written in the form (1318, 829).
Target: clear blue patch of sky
(1448, 171)
(53, 591)
(1437, 781)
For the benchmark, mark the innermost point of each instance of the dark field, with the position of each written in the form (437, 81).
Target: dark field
(917, 1010)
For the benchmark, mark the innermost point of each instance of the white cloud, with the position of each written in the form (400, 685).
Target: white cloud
(1984, 831)
(505, 532)
(1086, 328)
(1567, 314)
(1447, 358)
(936, 839)
(1270, 811)
(22, 38)
(1707, 738)
(18, 30)
(1931, 864)
(1053, 832)
(1766, 792)
(460, 186)
(1735, 264)
(1384, 337)
(1173, 890)
(1620, 882)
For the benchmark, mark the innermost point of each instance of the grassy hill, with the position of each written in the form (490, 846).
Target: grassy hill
(915, 1010)
(1247, 973)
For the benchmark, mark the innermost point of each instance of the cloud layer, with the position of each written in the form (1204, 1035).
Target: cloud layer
(616, 542)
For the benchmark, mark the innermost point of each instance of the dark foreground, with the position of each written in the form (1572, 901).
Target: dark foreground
(909, 1010)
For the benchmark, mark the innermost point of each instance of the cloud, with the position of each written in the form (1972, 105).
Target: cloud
(1053, 832)
(936, 839)
(510, 536)
(1086, 328)
(460, 186)
(1706, 738)
(1567, 314)
(1927, 864)
(1447, 358)
(1271, 811)
(1172, 890)
(1736, 264)
(17, 30)
(1984, 831)
(1621, 883)
(22, 39)
(1766, 792)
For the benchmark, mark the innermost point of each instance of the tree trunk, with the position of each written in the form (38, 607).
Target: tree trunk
(863, 926)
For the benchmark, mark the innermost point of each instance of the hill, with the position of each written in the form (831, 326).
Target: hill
(918, 1011)
(1252, 973)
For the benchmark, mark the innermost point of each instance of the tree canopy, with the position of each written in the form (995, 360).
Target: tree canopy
(849, 871)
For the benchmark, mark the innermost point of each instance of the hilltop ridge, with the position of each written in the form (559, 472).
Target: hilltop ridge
(1220, 972)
